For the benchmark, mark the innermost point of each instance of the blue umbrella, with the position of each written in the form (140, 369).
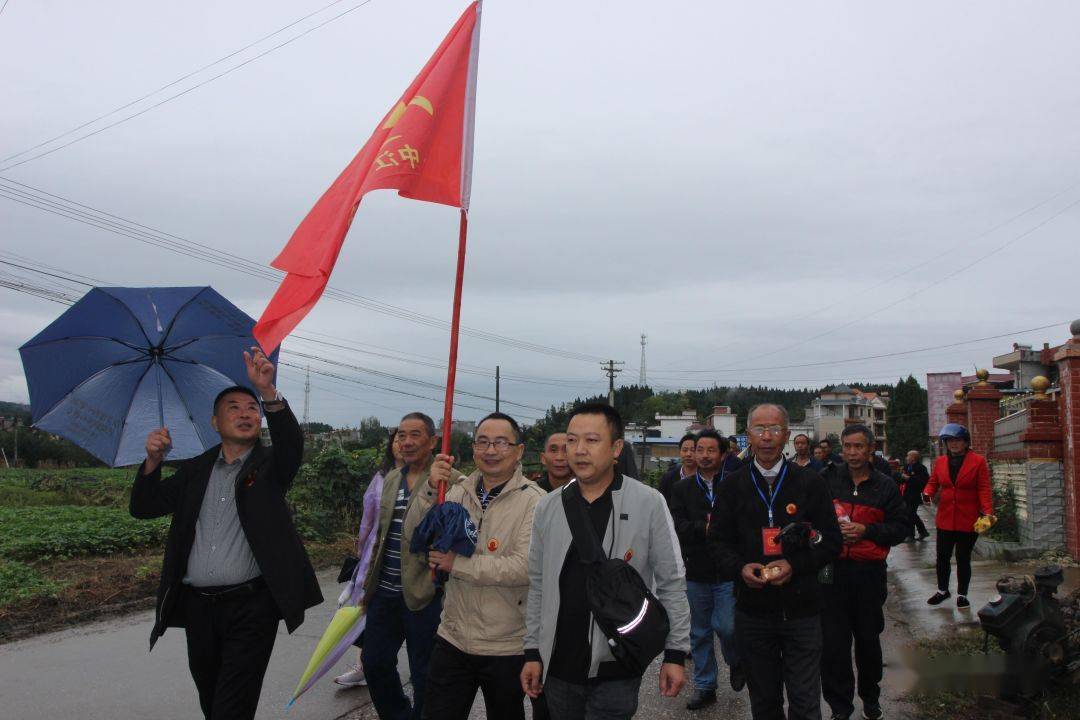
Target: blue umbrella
(123, 361)
(445, 528)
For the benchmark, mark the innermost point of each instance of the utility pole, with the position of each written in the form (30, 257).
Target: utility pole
(307, 398)
(612, 371)
(641, 378)
(496, 388)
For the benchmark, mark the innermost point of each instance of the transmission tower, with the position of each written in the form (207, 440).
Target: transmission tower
(307, 396)
(641, 378)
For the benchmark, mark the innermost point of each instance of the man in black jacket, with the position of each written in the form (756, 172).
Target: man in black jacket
(711, 597)
(234, 564)
(872, 519)
(914, 477)
(685, 468)
(778, 600)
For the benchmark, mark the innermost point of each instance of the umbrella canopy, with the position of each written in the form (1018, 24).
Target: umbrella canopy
(124, 361)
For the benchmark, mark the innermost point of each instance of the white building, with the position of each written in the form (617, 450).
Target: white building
(722, 420)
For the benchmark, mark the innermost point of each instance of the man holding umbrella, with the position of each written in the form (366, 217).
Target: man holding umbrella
(234, 563)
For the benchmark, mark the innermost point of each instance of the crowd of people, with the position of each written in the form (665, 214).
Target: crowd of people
(575, 582)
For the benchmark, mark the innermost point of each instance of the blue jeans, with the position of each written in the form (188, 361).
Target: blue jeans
(389, 624)
(712, 610)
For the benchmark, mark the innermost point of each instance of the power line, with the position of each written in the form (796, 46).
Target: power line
(183, 92)
(937, 257)
(167, 85)
(102, 220)
(390, 354)
(838, 361)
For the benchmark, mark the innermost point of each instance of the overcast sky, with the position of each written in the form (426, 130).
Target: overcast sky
(751, 184)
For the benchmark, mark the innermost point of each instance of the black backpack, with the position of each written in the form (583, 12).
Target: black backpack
(630, 616)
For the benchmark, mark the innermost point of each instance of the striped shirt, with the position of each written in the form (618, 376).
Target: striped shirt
(390, 575)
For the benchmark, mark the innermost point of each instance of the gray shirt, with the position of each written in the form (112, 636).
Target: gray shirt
(221, 554)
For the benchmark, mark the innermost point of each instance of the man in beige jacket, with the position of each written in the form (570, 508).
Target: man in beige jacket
(479, 641)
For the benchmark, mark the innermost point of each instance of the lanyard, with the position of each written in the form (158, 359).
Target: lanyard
(775, 490)
(707, 488)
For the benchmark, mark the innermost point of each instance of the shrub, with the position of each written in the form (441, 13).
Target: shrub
(328, 492)
(1007, 527)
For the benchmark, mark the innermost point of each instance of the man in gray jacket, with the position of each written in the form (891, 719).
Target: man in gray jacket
(567, 656)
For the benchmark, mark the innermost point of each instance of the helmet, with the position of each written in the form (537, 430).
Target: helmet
(954, 430)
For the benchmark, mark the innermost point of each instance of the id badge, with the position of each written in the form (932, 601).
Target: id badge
(770, 546)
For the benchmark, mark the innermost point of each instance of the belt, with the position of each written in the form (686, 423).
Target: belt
(237, 589)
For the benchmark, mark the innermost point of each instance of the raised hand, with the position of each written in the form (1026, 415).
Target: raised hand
(158, 443)
(260, 372)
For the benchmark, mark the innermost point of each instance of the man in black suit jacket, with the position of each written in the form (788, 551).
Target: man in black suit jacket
(234, 563)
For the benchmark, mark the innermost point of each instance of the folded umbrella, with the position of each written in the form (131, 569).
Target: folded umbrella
(344, 623)
(122, 362)
(446, 528)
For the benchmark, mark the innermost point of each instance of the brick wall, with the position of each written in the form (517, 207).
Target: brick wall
(1068, 361)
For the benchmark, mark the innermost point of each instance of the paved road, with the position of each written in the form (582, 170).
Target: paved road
(102, 671)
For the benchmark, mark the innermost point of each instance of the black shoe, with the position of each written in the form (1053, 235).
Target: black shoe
(909, 538)
(872, 712)
(838, 716)
(939, 597)
(924, 535)
(737, 678)
(701, 698)
(962, 602)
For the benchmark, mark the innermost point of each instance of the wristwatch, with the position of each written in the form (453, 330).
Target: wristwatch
(276, 404)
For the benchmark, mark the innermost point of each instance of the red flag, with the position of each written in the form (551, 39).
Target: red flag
(422, 148)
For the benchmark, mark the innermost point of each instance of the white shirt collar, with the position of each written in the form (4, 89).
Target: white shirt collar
(769, 473)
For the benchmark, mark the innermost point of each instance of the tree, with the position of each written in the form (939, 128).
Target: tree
(317, 428)
(906, 420)
(372, 433)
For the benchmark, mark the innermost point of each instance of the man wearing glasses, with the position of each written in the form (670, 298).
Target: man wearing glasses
(778, 600)
(479, 643)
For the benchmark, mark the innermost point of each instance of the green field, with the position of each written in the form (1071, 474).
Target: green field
(67, 540)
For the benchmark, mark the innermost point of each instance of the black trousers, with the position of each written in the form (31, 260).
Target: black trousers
(853, 611)
(920, 526)
(454, 677)
(781, 655)
(229, 641)
(962, 543)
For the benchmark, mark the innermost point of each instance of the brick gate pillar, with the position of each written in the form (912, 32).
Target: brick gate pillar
(984, 409)
(956, 412)
(1068, 362)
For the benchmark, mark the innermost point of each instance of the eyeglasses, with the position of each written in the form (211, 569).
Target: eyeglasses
(500, 444)
(759, 430)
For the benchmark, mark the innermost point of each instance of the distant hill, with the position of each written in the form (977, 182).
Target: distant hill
(10, 409)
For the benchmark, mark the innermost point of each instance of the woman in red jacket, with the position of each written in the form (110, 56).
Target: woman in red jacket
(961, 480)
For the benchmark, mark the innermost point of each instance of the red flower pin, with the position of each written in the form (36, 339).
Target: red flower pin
(250, 479)
(791, 509)
(493, 545)
(629, 554)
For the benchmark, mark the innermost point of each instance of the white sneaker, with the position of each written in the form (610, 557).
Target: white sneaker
(353, 678)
